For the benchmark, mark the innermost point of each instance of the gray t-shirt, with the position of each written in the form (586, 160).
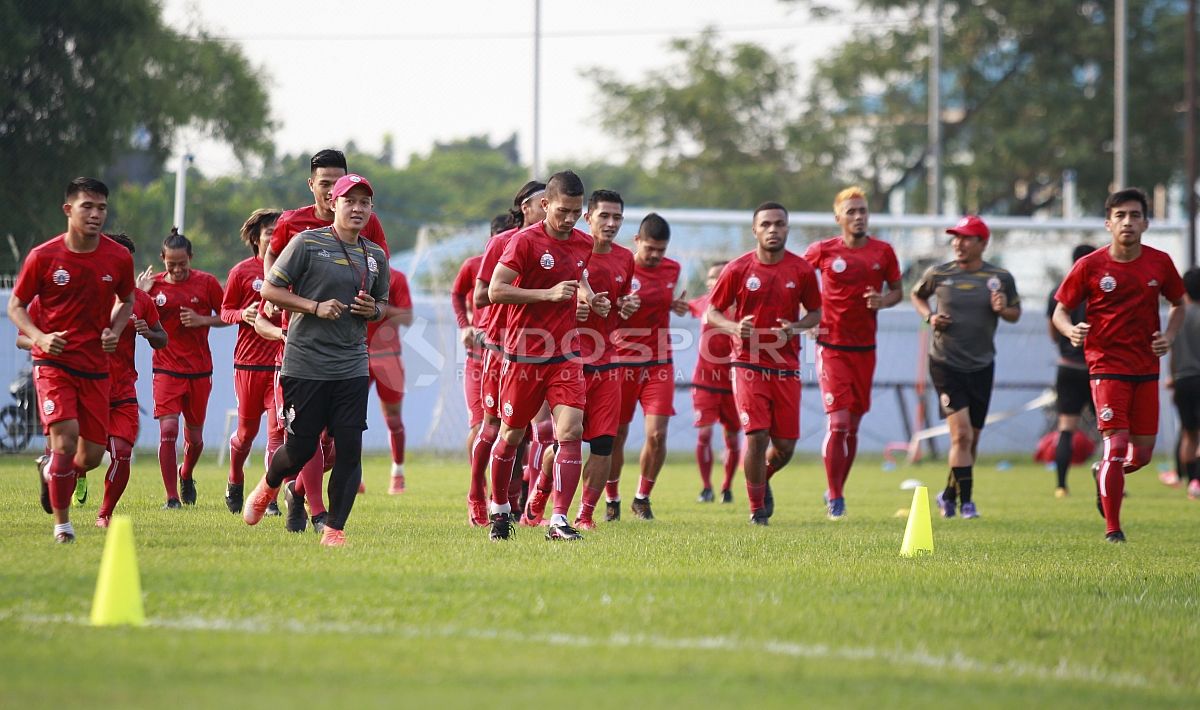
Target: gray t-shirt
(1185, 351)
(314, 265)
(968, 344)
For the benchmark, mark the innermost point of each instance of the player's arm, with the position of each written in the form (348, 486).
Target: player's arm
(892, 297)
(736, 329)
(501, 289)
(24, 343)
(231, 311)
(154, 334)
(268, 330)
(920, 301)
(1162, 341)
(18, 313)
(1075, 332)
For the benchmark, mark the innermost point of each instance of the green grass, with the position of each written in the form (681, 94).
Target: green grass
(1025, 606)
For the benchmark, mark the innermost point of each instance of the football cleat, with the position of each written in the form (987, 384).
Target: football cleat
(769, 502)
(318, 523)
(1194, 489)
(563, 532)
(477, 513)
(256, 504)
(187, 490)
(837, 508)
(397, 485)
(759, 517)
(535, 509)
(273, 510)
(584, 524)
(640, 508)
(1115, 536)
(501, 526)
(297, 519)
(44, 483)
(945, 506)
(969, 512)
(64, 538)
(612, 511)
(172, 504)
(234, 497)
(333, 538)
(706, 496)
(726, 496)
(1061, 492)
(103, 521)
(362, 487)
(80, 491)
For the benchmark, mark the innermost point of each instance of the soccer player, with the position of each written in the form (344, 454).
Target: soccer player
(854, 267)
(774, 296)
(712, 396)
(541, 278)
(972, 295)
(338, 281)
(189, 303)
(387, 368)
(76, 278)
(253, 355)
(1185, 382)
(1071, 388)
(643, 347)
(1122, 340)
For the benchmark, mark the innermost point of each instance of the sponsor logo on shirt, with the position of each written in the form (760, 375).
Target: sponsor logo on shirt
(753, 283)
(1108, 284)
(838, 265)
(372, 265)
(547, 261)
(160, 299)
(790, 284)
(256, 284)
(107, 278)
(61, 277)
(1152, 283)
(48, 407)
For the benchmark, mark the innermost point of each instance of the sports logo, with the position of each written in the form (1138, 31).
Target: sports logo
(635, 285)
(48, 407)
(61, 277)
(489, 402)
(745, 418)
(753, 283)
(1152, 283)
(620, 279)
(697, 416)
(372, 265)
(1108, 284)
(829, 399)
(160, 299)
(993, 284)
(579, 264)
(838, 265)
(195, 299)
(508, 409)
(290, 415)
(547, 261)
(875, 267)
(108, 278)
(1106, 414)
(323, 254)
(790, 284)
(256, 284)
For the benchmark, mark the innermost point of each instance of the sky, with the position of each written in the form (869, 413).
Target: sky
(429, 72)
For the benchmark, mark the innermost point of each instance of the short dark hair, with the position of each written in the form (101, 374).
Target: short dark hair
(124, 240)
(527, 190)
(1191, 283)
(501, 223)
(258, 220)
(175, 240)
(654, 227)
(599, 196)
(767, 206)
(1129, 194)
(328, 158)
(85, 184)
(564, 183)
(1080, 251)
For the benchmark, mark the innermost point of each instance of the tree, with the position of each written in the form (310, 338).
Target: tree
(84, 82)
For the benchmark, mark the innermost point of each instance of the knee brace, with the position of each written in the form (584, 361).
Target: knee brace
(601, 445)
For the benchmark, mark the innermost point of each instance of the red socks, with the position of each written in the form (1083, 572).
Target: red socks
(704, 456)
(733, 456)
(308, 482)
(612, 489)
(503, 454)
(756, 494)
(645, 485)
(62, 480)
(117, 476)
(168, 433)
(193, 446)
(238, 453)
(1112, 479)
(395, 425)
(588, 501)
(568, 467)
(481, 454)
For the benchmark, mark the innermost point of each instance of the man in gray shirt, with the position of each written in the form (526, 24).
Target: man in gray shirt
(1185, 382)
(337, 281)
(972, 295)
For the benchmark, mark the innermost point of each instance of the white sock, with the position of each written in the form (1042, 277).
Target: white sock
(493, 509)
(639, 496)
(613, 500)
(64, 528)
(397, 469)
(558, 519)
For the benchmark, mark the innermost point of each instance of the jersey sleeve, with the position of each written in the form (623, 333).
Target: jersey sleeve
(149, 310)
(1071, 291)
(723, 293)
(290, 264)
(513, 256)
(813, 254)
(398, 293)
(215, 295)
(29, 279)
(927, 285)
(282, 235)
(810, 297)
(491, 256)
(1010, 289)
(231, 302)
(1172, 288)
(464, 286)
(891, 265)
(381, 289)
(125, 281)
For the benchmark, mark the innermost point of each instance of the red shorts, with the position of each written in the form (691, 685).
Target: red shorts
(489, 391)
(1121, 404)
(602, 410)
(524, 386)
(63, 396)
(845, 377)
(182, 395)
(651, 385)
(712, 406)
(472, 384)
(124, 420)
(387, 372)
(254, 391)
(767, 400)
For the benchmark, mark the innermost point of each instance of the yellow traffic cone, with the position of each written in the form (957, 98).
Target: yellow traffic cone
(118, 597)
(918, 534)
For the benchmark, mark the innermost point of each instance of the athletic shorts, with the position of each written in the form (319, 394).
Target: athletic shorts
(387, 372)
(711, 406)
(124, 419)
(182, 395)
(653, 386)
(255, 392)
(602, 408)
(278, 397)
(845, 377)
(1073, 390)
(472, 386)
(1187, 402)
(958, 390)
(63, 396)
(1123, 404)
(312, 406)
(524, 386)
(493, 361)
(768, 399)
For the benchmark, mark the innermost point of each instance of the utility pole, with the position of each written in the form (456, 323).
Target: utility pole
(536, 168)
(1120, 86)
(1189, 131)
(933, 171)
(181, 188)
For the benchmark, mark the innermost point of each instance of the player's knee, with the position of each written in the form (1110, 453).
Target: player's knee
(1139, 456)
(731, 439)
(601, 445)
(168, 429)
(1116, 446)
(704, 436)
(656, 438)
(962, 439)
(395, 423)
(301, 448)
(92, 458)
(119, 449)
(839, 421)
(246, 431)
(194, 436)
(569, 431)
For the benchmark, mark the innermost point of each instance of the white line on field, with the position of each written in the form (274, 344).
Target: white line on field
(919, 657)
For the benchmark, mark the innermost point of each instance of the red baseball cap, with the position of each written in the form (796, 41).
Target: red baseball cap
(969, 226)
(345, 182)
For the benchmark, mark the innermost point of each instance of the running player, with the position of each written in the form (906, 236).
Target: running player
(972, 295)
(1071, 388)
(76, 278)
(338, 281)
(387, 368)
(854, 269)
(774, 296)
(1185, 384)
(712, 396)
(643, 347)
(1122, 340)
(253, 355)
(541, 278)
(189, 303)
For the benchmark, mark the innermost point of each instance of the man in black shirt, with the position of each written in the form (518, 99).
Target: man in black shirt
(1071, 383)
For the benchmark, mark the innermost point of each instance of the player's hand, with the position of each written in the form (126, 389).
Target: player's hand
(600, 304)
(52, 343)
(785, 330)
(746, 327)
(563, 291)
(1079, 333)
(679, 306)
(268, 310)
(331, 309)
(1159, 344)
(108, 340)
(140, 326)
(189, 318)
(873, 298)
(1169, 383)
(145, 280)
(628, 305)
(940, 321)
(250, 313)
(467, 336)
(363, 306)
(999, 301)
(582, 310)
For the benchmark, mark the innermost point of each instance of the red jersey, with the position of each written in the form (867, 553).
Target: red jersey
(645, 337)
(187, 350)
(846, 274)
(494, 316)
(768, 292)
(76, 292)
(1122, 308)
(295, 221)
(121, 366)
(241, 290)
(464, 288)
(387, 342)
(611, 272)
(546, 329)
(716, 350)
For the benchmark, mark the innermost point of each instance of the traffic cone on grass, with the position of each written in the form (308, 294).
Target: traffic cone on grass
(118, 597)
(918, 534)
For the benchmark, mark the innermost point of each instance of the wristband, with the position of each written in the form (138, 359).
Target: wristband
(316, 305)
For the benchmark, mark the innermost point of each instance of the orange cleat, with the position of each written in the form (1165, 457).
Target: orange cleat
(397, 486)
(257, 502)
(585, 524)
(362, 487)
(477, 513)
(535, 509)
(102, 521)
(333, 538)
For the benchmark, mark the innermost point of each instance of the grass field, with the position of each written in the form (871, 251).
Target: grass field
(1026, 606)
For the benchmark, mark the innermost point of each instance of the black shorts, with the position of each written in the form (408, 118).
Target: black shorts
(1073, 389)
(1187, 401)
(312, 406)
(959, 390)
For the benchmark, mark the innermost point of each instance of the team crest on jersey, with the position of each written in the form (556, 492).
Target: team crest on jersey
(372, 265)
(256, 284)
(48, 407)
(195, 299)
(61, 277)
(745, 418)
(489, 402)
(838, 265)
(620, 279)
(1108, 284)
(1106, 414)
(1152, 283)
(829, 399)
(753, 283)
(160, 299)
(875, 267)
(635, 285)
(579, 264)
(547, 261)
(508, 410)
(993, 284)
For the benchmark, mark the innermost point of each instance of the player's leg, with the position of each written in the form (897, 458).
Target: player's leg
(754, 465)
(60, 473)
(168, 405)
(305, 406)
(836, 452)
(566, 392)
(654, 453)
(728, 417)
(631, 383)
(123, 427)
(602, 410)
(522, 389)
(347, 418)
(704, 461)
(1071, 390)
(485, 441)
(195, 411)
(541, 440)
(393, 416)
